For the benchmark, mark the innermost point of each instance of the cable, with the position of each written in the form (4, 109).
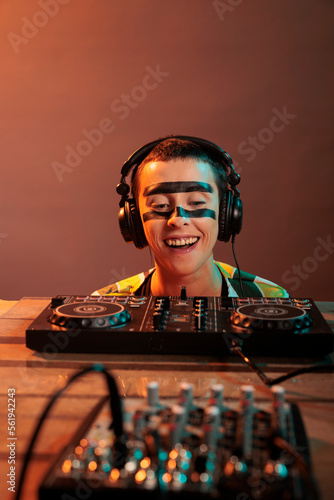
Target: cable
(116, 411)
(273, 381)
(301, 465)
(236, 262)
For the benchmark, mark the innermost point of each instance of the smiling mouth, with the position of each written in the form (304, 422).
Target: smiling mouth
(181, 242)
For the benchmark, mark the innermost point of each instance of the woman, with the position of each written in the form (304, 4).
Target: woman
(180, 206)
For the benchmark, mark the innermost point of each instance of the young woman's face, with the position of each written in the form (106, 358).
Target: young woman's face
(179, 207)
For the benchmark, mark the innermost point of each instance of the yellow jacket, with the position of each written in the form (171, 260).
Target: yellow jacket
(253, 286)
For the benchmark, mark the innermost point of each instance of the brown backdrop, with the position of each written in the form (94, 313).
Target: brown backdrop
(255, 77)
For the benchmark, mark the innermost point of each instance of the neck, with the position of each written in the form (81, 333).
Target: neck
(206, 282)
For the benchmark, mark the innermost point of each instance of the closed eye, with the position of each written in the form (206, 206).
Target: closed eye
(197, 203)
(161, 206)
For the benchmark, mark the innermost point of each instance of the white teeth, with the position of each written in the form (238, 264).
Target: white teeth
(181, 242)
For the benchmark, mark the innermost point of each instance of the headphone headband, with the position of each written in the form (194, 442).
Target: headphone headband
(231, 207)
(141, 153)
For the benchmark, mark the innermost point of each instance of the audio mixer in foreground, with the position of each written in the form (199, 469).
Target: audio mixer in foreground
(180, 325)
(189, 449)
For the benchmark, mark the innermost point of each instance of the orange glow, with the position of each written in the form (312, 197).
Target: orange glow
(145, 463)
(67, 465)
(78, 450)
(83, 442)
(195, 477)
(269, 468)
(167, 477)
(114, 475)
(173, 454)
(102, 443)
(229, 468)
(92, 466)
(140, 476)
(98, 451)
(171, 464)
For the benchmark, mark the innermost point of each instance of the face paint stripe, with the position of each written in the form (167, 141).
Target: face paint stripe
(180, 212)
(177, 187)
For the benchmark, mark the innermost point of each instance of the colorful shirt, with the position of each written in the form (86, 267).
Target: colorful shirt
(253, 286)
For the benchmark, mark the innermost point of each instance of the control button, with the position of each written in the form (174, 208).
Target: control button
(100, 322)
(86, 322)
(57, 301)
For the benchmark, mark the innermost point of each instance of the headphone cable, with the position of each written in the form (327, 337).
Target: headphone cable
(115, 409)
(273, 381)
(236, 262)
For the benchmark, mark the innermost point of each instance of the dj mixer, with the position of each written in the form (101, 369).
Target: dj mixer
(188, 448)
(180, 325)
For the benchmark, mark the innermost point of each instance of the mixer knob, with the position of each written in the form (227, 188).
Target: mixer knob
(158, 320)
(200, 313)
(186, 395)
(247, 409)
(200, 320)
(178, 421)
(153, 394)
(279, 410)
(210, 424)
(57, 301)
(162, 303)
(200, 301)
(166, 303)
(217, 395)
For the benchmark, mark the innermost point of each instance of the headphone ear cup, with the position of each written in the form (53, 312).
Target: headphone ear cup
(130, 224)
(236, 216)
(230, 216)
(224, 214)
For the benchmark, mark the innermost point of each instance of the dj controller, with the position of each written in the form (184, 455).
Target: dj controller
(180, 325)
(188, 448)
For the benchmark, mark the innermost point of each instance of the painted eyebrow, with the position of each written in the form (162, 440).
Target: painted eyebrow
(177, 187)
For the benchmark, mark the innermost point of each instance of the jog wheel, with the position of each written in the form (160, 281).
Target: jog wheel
(271, 317)
(90, 315)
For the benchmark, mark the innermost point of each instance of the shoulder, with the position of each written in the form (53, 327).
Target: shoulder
(253, 285)
(127, 286)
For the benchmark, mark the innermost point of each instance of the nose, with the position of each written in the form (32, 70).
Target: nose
(179, 218)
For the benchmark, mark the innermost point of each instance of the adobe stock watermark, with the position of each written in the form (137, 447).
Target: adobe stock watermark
(298, 273)
(122, 107)
(30, 27)
(254, 143)
(117, 276)
(265, 136)
(222, 7)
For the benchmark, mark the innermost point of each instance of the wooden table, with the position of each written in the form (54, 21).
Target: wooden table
(35, 379)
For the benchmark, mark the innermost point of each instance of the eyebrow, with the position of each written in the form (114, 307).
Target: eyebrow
(177, 187)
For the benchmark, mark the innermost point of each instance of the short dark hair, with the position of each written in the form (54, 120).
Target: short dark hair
(173, 148)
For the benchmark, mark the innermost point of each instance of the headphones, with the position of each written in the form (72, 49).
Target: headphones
(230, 209)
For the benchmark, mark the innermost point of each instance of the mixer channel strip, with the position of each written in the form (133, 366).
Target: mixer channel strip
(213, 450)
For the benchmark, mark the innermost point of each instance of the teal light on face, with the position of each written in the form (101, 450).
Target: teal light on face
(138, 454)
